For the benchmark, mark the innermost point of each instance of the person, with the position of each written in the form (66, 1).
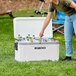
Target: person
(69, 8)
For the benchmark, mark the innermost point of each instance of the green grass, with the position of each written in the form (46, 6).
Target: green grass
(10, 67)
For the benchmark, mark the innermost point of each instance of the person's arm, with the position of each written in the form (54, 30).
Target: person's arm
(73, 5)
(70, 3)
(46, 22)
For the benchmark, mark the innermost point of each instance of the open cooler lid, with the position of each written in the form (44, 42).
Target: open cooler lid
(31, 25)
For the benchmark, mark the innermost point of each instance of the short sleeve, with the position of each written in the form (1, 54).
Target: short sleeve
(67, 2)
(51, 7)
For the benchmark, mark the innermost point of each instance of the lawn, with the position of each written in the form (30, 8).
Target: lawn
(10, 67)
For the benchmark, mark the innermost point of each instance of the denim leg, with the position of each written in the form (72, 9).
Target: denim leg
(68, 32)
(74, 23)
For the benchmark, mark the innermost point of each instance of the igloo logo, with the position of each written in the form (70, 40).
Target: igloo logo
(39, 47)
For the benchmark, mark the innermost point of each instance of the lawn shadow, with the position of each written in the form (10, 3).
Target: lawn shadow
(73, 59)
(5, 18)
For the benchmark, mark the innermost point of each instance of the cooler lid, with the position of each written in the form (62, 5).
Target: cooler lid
(31, 25)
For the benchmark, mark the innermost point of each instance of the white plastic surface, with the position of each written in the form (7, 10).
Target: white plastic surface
(37, 52)
(32, 26)
(34, 51)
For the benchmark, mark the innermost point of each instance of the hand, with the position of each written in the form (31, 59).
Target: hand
(41, 34)
(48, 1)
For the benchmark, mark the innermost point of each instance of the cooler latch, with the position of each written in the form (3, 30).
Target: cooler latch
(16, 46)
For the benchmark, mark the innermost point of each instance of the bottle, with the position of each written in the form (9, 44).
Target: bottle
(40, 39)
(19, 38)
(24, 38)
(49, 39)
(53, 40)
(27, 38)
(31, 39)
(28, 35)
(33, 36)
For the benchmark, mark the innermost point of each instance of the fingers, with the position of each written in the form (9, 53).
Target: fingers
(41, 34)
(48, 1)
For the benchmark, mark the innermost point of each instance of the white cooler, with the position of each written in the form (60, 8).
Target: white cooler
(27, 51)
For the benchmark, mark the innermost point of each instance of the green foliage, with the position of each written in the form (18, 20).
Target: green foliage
(54, 15)
(24, 14)
(27, 10)
(10, 67)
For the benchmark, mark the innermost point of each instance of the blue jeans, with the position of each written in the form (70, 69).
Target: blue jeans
(69, 28)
